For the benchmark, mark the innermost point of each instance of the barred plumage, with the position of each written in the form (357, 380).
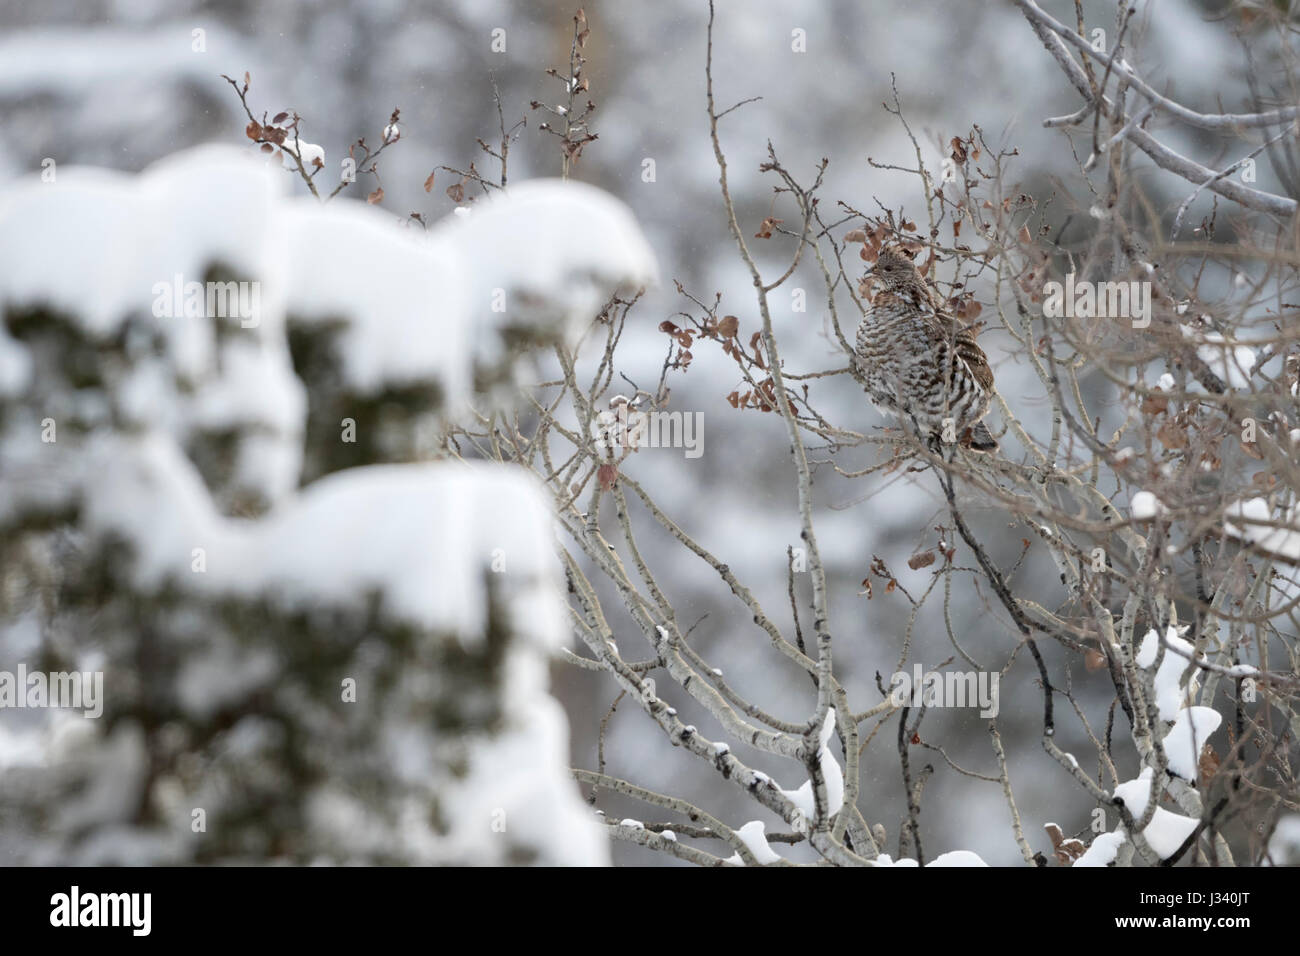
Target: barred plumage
(919, 362)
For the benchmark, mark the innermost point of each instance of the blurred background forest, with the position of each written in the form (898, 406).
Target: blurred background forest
(117, 83)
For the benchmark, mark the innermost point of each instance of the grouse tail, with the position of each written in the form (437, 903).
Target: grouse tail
(979, 438)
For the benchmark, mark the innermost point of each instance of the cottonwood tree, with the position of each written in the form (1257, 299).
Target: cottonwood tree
(1158, 473)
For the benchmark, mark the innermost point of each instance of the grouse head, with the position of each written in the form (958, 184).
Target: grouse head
(895, 272)
(894, 265)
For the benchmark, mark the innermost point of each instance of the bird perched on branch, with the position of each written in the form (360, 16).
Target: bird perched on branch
(918, 361)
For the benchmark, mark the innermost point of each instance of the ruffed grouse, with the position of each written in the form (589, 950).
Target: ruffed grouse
(920, 363)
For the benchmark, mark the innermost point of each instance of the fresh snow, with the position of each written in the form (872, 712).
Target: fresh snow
(1103, 850)
(952, 858)
(1185, 739)
(1166, 831)
(1282, 541)
(754, 837)
(803, 798)
(1145, 506)
(1170, 696)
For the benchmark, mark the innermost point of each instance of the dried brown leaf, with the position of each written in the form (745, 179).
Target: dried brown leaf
(922, 559)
